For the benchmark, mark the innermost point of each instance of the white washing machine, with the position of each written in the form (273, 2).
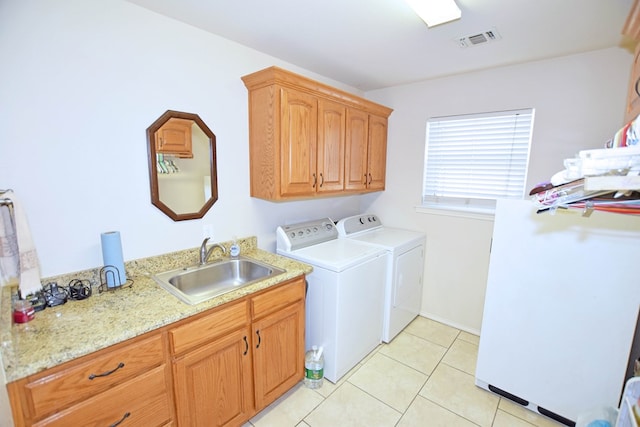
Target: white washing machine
(344, 304)
(405, 265)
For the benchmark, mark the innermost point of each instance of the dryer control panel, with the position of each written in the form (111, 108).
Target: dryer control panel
(297, 236)
(358, 223)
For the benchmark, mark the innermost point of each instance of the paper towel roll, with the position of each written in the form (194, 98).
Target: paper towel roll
(112, 256)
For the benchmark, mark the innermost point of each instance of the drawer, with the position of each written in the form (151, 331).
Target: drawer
(278, 298)
(143, 401)
(220, 322)
(82, 380)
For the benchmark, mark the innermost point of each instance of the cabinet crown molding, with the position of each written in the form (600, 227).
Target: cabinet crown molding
(275, 75)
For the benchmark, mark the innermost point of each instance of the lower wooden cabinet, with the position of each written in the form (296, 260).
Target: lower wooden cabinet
(224, 377)
(143, 401)
(278, 354)
(129, 383)
(218, 368)
(213, 383)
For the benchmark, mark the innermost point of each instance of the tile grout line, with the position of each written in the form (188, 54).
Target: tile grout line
(459, 335)
(428, 376)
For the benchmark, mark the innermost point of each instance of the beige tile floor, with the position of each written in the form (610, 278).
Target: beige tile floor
(424, 377)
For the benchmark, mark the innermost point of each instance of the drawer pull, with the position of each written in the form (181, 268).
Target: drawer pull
(246, 345)
(124, 417)
(259, 338)
(104, 374)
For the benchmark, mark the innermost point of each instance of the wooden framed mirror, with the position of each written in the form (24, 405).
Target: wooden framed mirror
(182, 165)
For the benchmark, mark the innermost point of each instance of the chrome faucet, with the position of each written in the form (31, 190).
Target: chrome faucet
(204, 252)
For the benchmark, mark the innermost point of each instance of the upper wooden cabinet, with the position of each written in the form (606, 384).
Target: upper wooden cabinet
(299, 142)
(377, 152)
(174, 137)
(331, 143)
(366, 151)
(308, 139)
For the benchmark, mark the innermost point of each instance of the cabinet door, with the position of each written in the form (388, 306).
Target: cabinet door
(377, 153)
(298, 143)
(278, 342)
(174, 137)
(356, 176)
(213, 383)
(331, 142)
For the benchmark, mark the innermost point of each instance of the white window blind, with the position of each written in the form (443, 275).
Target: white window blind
(472, 160)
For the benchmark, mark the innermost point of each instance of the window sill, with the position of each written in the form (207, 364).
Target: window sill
(484, 214)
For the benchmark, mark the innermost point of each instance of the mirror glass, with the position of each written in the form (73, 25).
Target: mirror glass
(182, 165)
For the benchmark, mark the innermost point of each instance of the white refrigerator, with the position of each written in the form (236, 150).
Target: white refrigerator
(561, 308)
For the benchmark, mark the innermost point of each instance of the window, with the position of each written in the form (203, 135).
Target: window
(472, 160)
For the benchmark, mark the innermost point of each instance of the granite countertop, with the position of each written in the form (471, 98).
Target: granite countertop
(76, 328)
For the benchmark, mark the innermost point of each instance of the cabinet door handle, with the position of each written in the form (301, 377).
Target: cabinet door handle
(365, 179)
(124, 417)
(246, 345)
(104, 374)
(370, 179)
(315, 180)
(259, 338)
(321, 180)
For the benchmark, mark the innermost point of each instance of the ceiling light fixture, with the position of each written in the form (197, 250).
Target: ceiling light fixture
(435, 12)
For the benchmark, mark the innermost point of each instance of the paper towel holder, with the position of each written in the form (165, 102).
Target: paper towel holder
(111, 272)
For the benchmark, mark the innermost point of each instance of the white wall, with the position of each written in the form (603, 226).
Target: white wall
(81, 82)
(579, 104)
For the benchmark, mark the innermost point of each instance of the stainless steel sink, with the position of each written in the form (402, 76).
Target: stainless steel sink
(200, 283)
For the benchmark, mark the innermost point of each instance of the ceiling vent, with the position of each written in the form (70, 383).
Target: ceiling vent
(484, 37)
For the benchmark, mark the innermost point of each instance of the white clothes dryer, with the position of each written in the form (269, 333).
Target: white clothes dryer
(344, 304)
(405, 251)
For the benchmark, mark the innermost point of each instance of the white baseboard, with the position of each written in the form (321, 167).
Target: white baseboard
(448, 322)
